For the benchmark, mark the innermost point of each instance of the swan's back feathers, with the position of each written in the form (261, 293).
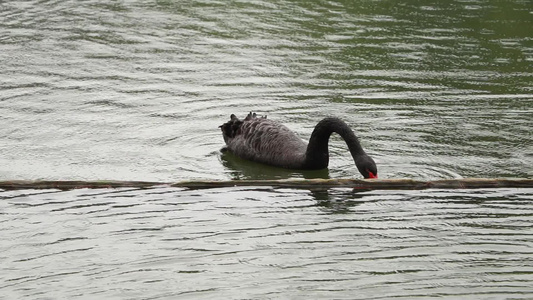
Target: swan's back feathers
(263, 140)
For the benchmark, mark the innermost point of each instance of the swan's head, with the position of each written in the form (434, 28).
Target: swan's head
(366, 166)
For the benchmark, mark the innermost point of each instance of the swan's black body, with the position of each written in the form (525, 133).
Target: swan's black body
(265, 141)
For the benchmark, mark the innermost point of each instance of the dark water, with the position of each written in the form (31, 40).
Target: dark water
(136, 90)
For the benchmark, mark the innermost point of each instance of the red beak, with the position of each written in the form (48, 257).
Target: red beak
(371, 175)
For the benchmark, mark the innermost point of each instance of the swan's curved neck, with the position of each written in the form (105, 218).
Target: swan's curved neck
(317, 155)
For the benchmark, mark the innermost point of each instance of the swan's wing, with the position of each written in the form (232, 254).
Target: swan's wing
(263, 140)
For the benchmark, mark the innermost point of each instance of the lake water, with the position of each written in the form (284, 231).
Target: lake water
(136, 90)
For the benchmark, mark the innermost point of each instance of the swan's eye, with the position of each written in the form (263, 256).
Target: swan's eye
(371, 175)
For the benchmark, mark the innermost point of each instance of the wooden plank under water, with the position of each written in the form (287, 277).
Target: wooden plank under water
(363, 184)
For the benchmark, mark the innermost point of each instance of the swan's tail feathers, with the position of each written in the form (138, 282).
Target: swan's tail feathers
(253, 115)
(250, 116)
(231, 128)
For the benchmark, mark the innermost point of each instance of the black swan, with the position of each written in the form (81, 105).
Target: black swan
(263, 140)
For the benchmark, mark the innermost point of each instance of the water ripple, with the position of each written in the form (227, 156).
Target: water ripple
(136, 91)
(455, 243)
(127, 85)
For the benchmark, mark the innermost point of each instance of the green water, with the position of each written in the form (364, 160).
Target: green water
(136, 90)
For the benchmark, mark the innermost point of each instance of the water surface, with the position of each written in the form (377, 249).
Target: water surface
(262, 243)
(136, 90)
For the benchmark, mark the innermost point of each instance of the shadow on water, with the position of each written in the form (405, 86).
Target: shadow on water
(331, 200)
(496, 202)
(340, 201)
(336, 201)
(242, 169)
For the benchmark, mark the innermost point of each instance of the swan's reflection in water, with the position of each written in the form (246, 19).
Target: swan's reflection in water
(242, 169)
(328, 199)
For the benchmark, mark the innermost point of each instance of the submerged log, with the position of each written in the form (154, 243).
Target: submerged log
(368, 184)
(71, 185)
(362, 184)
